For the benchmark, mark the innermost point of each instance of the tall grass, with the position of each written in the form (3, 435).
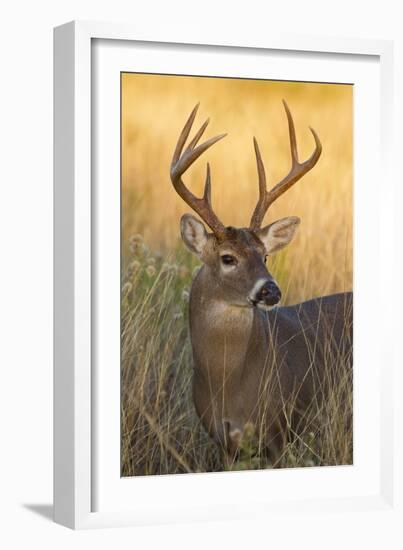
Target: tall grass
(161, 432)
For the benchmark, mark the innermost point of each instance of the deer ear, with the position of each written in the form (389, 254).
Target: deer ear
(194, 234)
(278, 234)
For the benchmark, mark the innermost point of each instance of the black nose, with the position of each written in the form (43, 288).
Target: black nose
(269, 294)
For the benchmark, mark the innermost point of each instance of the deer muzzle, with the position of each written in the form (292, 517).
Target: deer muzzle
(265, 294)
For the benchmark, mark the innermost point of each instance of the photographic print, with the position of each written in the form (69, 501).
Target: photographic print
(236, 274)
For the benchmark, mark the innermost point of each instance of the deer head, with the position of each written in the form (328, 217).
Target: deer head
(236, 257)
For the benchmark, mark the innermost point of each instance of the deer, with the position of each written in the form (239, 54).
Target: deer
(252, 357)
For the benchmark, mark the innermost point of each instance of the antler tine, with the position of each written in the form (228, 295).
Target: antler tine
(260, 171)
(298, 169)
(207, 186)
(182, 161)
(198, 135)
(184, 135)
(291, 131)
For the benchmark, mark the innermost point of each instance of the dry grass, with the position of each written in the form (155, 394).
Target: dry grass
(160, 429)
(161, 432)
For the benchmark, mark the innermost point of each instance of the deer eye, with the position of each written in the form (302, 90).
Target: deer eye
(227, 259)
(265, 258)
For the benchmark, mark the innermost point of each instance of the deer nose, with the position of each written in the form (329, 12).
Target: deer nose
(269, 294)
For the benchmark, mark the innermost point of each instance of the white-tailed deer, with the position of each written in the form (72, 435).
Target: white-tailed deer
(254, 362)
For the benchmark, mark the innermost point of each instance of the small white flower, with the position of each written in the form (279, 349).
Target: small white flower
(133, 267)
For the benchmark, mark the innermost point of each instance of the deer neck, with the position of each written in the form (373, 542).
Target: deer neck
(229, 347)
(220, 331)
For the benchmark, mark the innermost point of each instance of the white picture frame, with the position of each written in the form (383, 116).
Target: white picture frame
(88, 491)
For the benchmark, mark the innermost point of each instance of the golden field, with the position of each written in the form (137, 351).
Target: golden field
(160, 430)
(155, 109)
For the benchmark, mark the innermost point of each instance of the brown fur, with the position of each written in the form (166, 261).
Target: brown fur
(236, 347)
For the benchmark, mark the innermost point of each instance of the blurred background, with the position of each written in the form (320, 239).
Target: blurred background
(154, 110)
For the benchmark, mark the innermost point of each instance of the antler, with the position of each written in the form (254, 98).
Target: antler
(298, 169)
(181, 162)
